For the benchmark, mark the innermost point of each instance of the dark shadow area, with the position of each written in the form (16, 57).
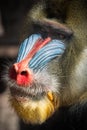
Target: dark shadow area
(12, 16)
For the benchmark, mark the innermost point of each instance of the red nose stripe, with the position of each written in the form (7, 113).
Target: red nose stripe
(37, 46)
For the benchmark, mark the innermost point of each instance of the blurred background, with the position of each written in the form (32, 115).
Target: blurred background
(12, 15)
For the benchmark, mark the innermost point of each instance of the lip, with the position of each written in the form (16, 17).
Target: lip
(21, 95)
(21, 99)
(18, 95)
(18, 92)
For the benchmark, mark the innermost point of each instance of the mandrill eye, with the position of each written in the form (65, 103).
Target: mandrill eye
(53, 29)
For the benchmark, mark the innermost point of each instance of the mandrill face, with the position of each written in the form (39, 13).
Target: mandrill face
(34, 89)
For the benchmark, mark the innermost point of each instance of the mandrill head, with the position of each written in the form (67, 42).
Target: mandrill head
(34, 88)
(51, 68)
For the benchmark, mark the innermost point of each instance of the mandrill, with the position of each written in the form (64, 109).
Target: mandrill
(48, 81)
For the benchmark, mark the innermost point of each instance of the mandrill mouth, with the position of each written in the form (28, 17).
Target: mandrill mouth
(34, 92)
(20, 95)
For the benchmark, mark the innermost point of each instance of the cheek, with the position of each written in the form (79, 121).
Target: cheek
(53, 67)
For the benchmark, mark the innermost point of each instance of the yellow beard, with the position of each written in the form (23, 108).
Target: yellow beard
(33, 111)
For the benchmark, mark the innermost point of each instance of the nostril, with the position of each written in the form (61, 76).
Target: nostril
(24, 78)
(24, 73)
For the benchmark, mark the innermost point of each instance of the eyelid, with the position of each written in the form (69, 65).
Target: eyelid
(53, 28)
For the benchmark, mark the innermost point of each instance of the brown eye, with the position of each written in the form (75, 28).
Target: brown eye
(61, 37)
